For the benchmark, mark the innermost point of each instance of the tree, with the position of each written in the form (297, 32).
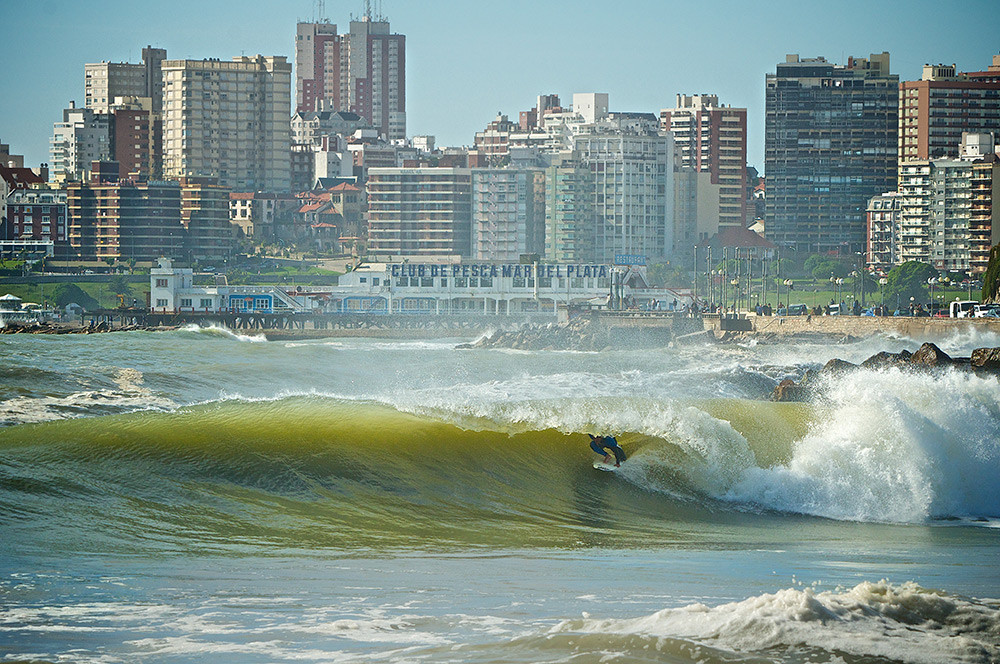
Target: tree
(71, 293)
(991, 278)
(829, 268)
(119, 285)
(908, 280)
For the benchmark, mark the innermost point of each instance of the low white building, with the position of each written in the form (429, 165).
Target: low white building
(172, 290)
(445, 288)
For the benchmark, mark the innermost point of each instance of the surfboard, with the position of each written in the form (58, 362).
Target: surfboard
(610, 467)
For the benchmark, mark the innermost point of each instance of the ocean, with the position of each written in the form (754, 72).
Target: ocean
(204, 496)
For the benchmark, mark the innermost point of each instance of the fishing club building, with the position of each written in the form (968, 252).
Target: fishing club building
(430, 288)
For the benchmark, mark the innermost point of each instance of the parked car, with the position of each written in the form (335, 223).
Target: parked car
(794, 310)
(987, 311)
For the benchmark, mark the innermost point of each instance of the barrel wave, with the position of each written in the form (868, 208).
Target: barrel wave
(321, 472)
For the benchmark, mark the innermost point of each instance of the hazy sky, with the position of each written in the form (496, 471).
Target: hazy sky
(468, 59)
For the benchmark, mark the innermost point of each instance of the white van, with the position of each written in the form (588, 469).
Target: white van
(962, 308)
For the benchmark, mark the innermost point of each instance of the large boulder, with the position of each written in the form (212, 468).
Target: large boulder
(837, 366)
(930, 356)
(887, 360)
(986, 360)
(788, 390)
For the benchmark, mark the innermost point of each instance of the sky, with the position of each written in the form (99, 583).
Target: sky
(466, 60)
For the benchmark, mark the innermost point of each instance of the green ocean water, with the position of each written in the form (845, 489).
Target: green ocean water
(202, 496)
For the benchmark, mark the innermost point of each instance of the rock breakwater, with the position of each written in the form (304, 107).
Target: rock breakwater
(581, 334)
(927, 358)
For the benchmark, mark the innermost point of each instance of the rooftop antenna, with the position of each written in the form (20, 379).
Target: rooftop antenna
(368, 10)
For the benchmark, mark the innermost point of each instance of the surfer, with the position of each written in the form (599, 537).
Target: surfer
(606, 446)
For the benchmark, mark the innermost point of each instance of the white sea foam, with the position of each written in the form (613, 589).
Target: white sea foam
(223, 331)
(891, 446)
(898, 622)
(131, 395)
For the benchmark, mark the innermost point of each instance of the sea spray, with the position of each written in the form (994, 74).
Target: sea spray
(217, 330)
(891, 446)
(880, 620)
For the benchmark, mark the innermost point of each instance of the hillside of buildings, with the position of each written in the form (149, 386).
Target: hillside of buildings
(867, 172)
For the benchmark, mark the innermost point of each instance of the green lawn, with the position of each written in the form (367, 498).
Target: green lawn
(100, 292)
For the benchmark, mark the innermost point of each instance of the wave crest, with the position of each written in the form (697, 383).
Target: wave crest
(897, 622)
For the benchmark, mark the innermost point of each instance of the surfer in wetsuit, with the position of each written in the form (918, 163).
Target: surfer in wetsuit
(606, 446)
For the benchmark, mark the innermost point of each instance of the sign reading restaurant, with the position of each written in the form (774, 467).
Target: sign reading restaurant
(515, 270)
(630, 259)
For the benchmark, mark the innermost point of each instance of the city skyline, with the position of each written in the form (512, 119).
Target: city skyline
(466, 62)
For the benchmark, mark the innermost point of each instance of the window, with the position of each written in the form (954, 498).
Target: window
(185, 302)
(206, 303)
(374, 281)
(364, 280)
(161, 283)
(161, 303)
(261, 303)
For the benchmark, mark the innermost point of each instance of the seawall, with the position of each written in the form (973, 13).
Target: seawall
(860, 326)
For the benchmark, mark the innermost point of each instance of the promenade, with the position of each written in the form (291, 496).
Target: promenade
(861, 326)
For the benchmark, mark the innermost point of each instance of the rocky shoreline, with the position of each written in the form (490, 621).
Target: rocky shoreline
(73, 328)
(983, 361)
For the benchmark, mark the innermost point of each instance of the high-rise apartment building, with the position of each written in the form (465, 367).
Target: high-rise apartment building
(228, 120)
(122, 219)
(317, 67)
(713, 139)
(948, 217)
(205, 217)
(913, 241)
(569, 211)
(883, 231)
(633, 191)
(137, 137)
(830, 145)
(935, 219)
(362, 71)
(984, 219)
(506, 219)
(82, 138)
(104, 81)
(420, 211)
(944, 103)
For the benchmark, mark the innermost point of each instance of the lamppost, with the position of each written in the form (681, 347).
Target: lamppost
(735, 283)
(930, 283)
(788, 295)
(882, 282)
(840, 290)
(712, 287)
